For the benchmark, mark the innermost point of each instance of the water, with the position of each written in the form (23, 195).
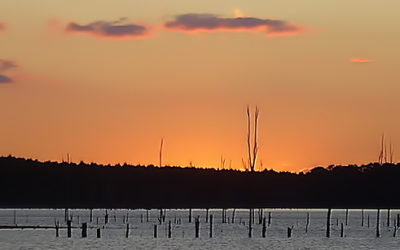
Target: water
(225, 235)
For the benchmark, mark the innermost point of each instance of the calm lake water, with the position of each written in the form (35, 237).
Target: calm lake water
(225, 235)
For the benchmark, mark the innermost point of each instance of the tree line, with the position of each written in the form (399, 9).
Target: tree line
(34, 184)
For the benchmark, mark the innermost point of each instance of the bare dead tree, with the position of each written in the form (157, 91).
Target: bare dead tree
(380, 159)
(222, 162)
(391, 152)
(161, 148)
(248, 136)
(252, 151)
(385, 154)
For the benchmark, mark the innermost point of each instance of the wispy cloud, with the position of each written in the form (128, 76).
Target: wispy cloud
(360, 60)
(211, 23)
(120, 29)
(4, 66)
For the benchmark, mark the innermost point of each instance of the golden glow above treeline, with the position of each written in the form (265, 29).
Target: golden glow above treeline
(105, 82)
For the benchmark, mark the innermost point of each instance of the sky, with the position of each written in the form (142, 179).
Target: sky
(105, 80)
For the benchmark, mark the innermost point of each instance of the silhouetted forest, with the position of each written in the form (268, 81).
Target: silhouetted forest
(30, 183)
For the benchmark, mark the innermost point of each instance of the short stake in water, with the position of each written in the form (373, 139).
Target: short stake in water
(264, 227)
(289, 232)
(169, 229)
(155, 231)
(127, 231)
(250, 221)
(307, 221)
(377, 223)
(211, 226)
(57, 227)
(69, 228)
(328, 223)
(269, 218)
(341, 230)
(197, 227)
(98, 233)
(84, 230)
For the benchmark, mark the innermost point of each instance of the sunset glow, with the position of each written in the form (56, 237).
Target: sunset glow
(104, 82)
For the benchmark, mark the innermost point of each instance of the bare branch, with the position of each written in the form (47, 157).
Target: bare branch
(161, 148)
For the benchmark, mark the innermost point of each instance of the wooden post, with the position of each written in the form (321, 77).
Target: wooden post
(66, 214)
(328, 223)
(347, 216)
(84, 230)
(69, 228)
(15, 217)
(269, 218)
(260, 216)
(394, 230)
(388, 218)
(206, 215)
(211, 225)
(377, 223)
(127, 231)
(398, 220)
(164, 215)
(169, 229)
(341, 230)
(147, 215)
(289, 232)
(197, 227)
(106, 218)
(190, 215)
(57, 227)
(91, 215)
(233, 215)
(97, 220)
(250, 221)
(264, 227)
(155, 231)
(362, 217)
(307, 221)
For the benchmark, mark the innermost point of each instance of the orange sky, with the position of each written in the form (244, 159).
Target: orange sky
(106, 81)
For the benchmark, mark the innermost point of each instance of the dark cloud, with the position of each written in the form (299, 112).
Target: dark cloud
(116, 29)
(209, 22)
(6, 64)
(5, 79)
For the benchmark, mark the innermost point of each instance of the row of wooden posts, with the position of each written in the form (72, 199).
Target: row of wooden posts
(209, 218)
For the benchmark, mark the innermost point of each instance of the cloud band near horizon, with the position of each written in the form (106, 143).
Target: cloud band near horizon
(212, 23)
(360, 60)
(115, 30)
